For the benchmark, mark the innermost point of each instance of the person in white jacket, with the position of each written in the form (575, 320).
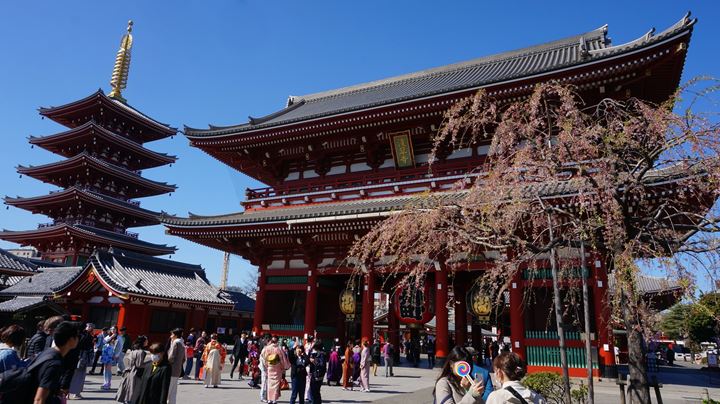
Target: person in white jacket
(509, 370)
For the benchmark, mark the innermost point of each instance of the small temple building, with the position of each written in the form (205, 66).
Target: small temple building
(338, 162)
(94, 269)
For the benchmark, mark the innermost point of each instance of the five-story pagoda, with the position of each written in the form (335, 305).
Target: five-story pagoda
(100, 176)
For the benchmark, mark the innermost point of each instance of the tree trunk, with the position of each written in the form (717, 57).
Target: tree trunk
(638, 386)
(560, 329)
(586, 310)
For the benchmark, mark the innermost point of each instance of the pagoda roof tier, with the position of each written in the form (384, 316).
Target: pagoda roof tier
(53, 202)
(553, 60)
(92, 136)
(67, 173)
(99, 107)
(90, 235)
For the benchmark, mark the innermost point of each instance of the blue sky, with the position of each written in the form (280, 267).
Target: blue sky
(196, 63)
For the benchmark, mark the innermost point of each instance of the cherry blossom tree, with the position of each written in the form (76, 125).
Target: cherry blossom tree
(625, 179)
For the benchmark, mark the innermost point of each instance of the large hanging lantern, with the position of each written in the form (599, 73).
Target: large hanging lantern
(414, 305)
(347, 302)
(478, 303)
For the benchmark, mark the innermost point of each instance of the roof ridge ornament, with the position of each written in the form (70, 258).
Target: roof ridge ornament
(118, 81)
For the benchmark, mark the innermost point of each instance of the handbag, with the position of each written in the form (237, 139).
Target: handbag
(516, 394)
(284, 384)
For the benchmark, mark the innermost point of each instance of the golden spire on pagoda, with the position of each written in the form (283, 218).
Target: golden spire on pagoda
(118, 82)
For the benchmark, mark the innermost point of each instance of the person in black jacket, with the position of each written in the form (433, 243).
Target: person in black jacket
(318, 367)
(37, 342)
(156, 377)
(239, 354)
(298, 372)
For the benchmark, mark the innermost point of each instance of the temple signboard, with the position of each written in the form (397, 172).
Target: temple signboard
(402, 149)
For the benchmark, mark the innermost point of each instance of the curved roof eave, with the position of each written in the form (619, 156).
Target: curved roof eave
(593, 55)
(42, 140)
(113, 169)
(157, 125)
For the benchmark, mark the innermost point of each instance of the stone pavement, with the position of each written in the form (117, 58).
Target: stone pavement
(413, 386)
(406, 380)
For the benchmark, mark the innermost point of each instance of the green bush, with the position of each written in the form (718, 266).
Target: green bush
(551, 386)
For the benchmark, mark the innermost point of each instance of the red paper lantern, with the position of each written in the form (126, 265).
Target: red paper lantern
(414, 305)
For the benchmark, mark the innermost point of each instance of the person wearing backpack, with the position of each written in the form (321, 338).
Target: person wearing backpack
(12, 338)
(277, 363)
(39, 383)
(509, 370)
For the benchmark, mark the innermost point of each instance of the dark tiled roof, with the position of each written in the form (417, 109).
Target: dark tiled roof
(160, 130)
(139, 274)
(91, 128)
(21, 303)
(8, 280)
(70, 193)
(361, 206)
(12, 263)
(106, 237)
(572, 51)
(44, 283)
(650, 285)
(83, 159)
(242, 301)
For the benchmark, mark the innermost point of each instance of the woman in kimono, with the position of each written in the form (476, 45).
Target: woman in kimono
(277, 362)
(254, 365)
(214, 359)
(334, 370)
(356, 364)
(156, 377)
(347, 368)
(365, 363)
(130, 386)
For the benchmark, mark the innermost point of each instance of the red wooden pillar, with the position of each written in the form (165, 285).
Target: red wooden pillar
(121, 315)
(606, 349)
(517, 323)
(260, 300)
(441, 315)
(311, 300)
(460, 313)
(368, 308)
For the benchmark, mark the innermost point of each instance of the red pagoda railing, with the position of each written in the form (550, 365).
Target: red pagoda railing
(360, 181)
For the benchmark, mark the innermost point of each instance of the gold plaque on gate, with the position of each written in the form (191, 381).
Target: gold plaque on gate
(402, 150)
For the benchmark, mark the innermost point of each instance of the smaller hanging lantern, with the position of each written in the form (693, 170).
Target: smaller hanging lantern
(347, 302)
(478, 304)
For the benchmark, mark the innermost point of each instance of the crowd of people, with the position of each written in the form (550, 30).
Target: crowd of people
(52, 365)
